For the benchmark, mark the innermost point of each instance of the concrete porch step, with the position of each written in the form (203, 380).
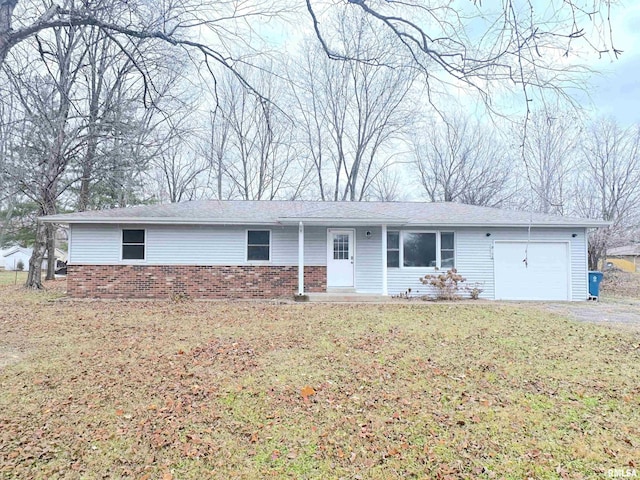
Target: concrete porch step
(347, 297)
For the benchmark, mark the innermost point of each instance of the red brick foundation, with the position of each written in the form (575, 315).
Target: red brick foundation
(166, 281)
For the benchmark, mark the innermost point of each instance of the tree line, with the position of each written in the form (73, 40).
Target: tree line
(97, 113)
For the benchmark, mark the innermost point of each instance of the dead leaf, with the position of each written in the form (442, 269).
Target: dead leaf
(307, 392)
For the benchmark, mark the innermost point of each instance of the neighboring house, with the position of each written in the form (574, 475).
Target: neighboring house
(227, 249)
(13, 256)
(627, 258)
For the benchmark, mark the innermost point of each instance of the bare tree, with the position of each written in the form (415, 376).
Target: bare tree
(46, 101)
(216, 149)
(179, 168)
(254, 148)
(80, 103)
(353, 112)
(548, 154)
(514, 45)
(225, 24)
(460, 160)
(608, 182)
(387, 186)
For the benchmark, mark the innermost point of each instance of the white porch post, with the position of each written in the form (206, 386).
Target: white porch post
(385, 290)
(300, 259)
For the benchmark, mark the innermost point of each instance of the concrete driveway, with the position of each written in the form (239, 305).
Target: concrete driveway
(614, 312)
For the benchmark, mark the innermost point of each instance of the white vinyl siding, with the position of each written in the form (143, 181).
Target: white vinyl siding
(95, 244)
(474, 259)
(368, 260)
(194, 245)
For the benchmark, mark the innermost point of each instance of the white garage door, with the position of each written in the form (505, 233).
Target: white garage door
(545, 275)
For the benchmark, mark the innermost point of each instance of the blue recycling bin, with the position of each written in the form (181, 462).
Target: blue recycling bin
(594, 283)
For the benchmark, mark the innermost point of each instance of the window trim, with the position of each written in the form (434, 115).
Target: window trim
(246, 245)
(122, 244)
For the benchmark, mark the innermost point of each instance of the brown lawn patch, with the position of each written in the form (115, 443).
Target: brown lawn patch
(255, 390)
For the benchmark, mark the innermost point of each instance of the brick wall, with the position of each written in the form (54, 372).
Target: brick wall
(165, 281)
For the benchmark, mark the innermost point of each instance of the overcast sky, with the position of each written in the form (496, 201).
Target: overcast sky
(616, 90)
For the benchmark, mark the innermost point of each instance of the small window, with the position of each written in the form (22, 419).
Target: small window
(393, 249)
(341, 247)
(258, 242)
(133, 244)
(447, 250)
(419, 249)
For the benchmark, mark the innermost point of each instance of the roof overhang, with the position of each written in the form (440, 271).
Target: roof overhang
(394, 222)
(321, 221)
(149, 221)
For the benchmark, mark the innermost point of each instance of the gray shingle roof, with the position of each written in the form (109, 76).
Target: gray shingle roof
(324, 213)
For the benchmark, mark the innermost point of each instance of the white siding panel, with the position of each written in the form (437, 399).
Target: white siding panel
(368, 260)
(474, 259)
(579, 266)
(94, 244)
(215, 245)
(315, 245)
(195, 245)
(284, 245)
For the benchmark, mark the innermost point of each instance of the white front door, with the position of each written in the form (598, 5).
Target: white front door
(340, 258)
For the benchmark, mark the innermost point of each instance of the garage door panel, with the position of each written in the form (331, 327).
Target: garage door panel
(544, 276)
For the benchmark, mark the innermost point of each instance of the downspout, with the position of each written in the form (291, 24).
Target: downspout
(300, 259)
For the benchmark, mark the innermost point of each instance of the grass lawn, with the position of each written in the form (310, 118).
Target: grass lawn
(161, 390)
(11, 278)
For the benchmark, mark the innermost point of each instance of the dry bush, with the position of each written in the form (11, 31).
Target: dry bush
(447, 285)
(620, 284)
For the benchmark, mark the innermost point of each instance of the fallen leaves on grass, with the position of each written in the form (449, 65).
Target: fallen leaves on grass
(196, 390)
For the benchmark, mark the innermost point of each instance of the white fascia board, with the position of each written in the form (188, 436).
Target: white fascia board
(315, 221)
(510, 225)
(342, 221)
(152, 221)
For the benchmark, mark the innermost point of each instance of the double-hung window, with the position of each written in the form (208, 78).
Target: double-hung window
(408, 249)
(258, 245)
(393, 249)
(133, 244)
(447, 250)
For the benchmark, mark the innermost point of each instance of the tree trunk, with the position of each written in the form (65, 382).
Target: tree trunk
(83, 197)
(34, 278)
(51, 251)
(6, 13)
